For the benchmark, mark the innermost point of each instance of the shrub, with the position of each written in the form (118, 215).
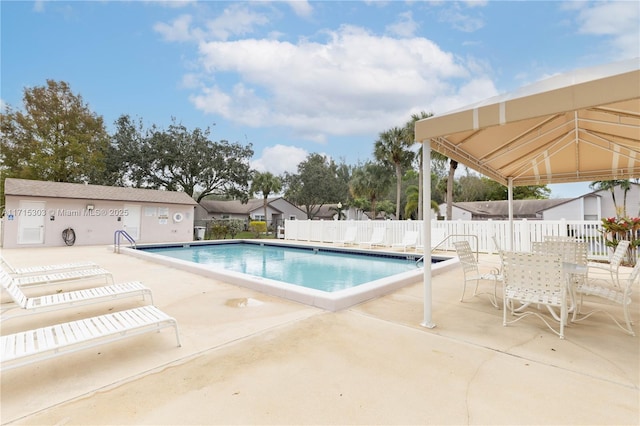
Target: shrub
(219, 230)
(235, 226)
(623, 228)
(257, 227)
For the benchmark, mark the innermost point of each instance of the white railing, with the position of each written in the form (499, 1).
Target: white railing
(524, 232)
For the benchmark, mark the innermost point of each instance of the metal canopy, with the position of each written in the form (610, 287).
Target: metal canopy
(581, 126)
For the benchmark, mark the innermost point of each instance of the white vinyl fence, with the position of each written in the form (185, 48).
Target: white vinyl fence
(525, 232)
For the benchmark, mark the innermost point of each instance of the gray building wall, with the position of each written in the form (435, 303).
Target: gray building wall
(158, 222)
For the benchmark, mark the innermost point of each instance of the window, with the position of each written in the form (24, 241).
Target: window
(259, 217)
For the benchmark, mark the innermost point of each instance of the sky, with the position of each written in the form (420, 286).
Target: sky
(300, 77)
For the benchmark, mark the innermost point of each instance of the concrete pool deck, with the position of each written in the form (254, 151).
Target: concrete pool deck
(248, 358)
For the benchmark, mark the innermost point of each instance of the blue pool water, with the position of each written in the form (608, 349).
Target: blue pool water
(320, 269)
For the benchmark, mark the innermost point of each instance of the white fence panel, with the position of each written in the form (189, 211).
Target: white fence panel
(524, 232)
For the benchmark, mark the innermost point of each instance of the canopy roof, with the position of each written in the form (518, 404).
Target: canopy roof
(581, 126)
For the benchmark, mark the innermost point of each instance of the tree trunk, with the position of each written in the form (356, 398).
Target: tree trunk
(453, 165)
(398, 189)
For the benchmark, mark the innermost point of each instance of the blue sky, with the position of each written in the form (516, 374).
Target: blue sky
(297, 77)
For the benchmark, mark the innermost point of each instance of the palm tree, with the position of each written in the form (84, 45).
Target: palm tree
(610, 185)
(265, 183)
(372, 182)
(413, 202)
(392, 147)
(410, 134)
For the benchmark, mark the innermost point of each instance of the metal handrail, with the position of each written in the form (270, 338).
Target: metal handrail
(116, 240)
(447, 238)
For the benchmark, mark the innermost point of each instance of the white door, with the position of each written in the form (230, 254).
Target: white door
(131, 220)
(31, 216)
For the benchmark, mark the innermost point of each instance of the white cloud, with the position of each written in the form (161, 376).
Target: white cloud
(174, 4)
(38, 6)
(404, 26)
(279, 159)
(235, 20)
(301, 8)
(178, 30)
(616, 19)
(346, 85)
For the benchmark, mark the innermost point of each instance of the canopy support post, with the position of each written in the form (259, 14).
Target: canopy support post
(426, 232)
(510, 197)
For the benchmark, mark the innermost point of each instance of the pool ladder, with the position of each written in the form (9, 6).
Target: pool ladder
(116, 240)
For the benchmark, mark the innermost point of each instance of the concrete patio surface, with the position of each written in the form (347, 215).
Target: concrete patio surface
(250, 358)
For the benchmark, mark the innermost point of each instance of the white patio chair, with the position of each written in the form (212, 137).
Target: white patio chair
(608, 295)
(410, 239)
(610, 272)
(472, 272)
(559, 238)
(377, 238)
(534, 280)
(349, 236)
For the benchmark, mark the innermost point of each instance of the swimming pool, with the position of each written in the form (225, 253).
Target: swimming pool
(327, 277)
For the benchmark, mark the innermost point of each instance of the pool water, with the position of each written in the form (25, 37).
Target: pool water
(324, 270)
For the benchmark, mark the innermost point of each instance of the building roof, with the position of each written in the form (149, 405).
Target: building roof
(500, 208)
(235, 206)
(37, 188)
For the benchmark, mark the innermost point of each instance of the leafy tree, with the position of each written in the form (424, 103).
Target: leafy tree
(392, 147)
(319, 181)
(265, 183)
(387, 208)
(127, 163)
(57, 137)
(372, 182)
(177, 159)
(529, 192)
(473, 187)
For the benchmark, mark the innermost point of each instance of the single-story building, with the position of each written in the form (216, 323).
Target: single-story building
(592, 206)
(499, 209)
(278, 209)
(46, 214)
(597, 205)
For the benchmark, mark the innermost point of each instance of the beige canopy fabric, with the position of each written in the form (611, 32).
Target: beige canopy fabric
(581, 126)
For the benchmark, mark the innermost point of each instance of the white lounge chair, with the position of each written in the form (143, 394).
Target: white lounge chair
(377, 238)
(30, 346)
(43, 269)
(349, 236)
(61, 276)
(63, 300)
(410, 239)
